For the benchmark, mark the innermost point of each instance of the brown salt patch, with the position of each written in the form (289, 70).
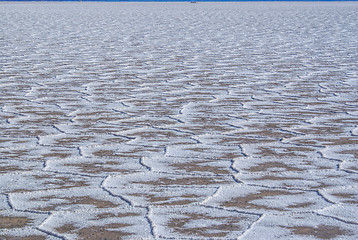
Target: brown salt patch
(287, 151)
(270, 134)
(206, 120)
(93, 129)
(44, 113)
(147, 122)
(96, 113)
(200, 166)
(31, 237)
(192, 98)
(97, 118)
(96, 232)
(272, 126)
(163, 201)
(200, 129)
(354, 168)
(104, 153)
(102, 233)
(321, 130)
(61, 182)
(56, 154)
(224, 154)
(214, 128)
(42, 176)
(301, 205)
(178, 203)
(72, 140)
(185, 181)
(244, 140)
(42, 121)
(66, 228)
(221, 227)
(245, 202)
(155, 134)
(322, 185)
(322, 167)
(352, 152)
(133, 153)
(21, 190)
(85, 200)
(92, 201)
(321, 231)
(21, 132)
(277, 178)
(114, 215)
(10, 168)
(113, 140)
(351, 198)
(346, 120)
(264, 167)
(328, 141)
(96, 168)
(69, 184)
(14, 153)
(15, 141)
(14, 222)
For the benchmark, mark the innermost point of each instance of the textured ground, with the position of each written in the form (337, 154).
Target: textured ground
(176, 121)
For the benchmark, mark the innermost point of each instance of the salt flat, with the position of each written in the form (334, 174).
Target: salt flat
(179, 120)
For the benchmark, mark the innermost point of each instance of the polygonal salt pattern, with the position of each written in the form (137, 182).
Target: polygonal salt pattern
(200, 223)
(112, 223)
(266, 200)
(204, 151)
(76, 140)
(117, 151)
(38, 152)
(281, 150)
(43, 180)
(74, 199)
(153, 179)
(350, 166)
(18, 166)
(97, 166)
(301, 226)
(166, 196)
(341, 152)
(299, 180)
(178, 121)
(345, 194)
(272, 165)
(192, 165)
(22, 225)
(345, 213)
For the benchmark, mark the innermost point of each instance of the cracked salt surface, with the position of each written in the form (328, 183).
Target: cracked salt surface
(178, 121)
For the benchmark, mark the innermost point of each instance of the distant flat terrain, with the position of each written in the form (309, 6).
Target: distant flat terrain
(179, 120)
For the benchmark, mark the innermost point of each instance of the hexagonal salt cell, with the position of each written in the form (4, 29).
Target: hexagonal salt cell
(166, 196)
(112, 223)
(300, 226)
(152, 179)
(266, 200)
(189, 165)
(198, 222)
(75, 199)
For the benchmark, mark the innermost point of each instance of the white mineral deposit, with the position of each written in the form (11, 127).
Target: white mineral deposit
(179, 121)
